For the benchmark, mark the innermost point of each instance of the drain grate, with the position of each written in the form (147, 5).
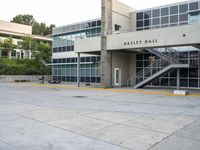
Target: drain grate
(79, 96)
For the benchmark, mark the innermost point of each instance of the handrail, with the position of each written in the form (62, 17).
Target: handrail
(167, 56)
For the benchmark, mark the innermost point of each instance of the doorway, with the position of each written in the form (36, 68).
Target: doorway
(117, 77)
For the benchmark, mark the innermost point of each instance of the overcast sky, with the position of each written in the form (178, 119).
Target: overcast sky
(61, 12)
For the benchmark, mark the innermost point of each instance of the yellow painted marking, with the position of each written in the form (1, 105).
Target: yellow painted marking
(112, 90)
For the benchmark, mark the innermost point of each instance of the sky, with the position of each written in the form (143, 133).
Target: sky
(61, 12)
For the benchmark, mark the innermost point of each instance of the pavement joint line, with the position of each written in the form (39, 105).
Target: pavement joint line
(73, 132)
(142, 103)
(121, 123)
(173, 134)
(8, 144)
(115, 90)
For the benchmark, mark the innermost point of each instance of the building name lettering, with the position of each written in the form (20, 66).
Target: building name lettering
(138, 42)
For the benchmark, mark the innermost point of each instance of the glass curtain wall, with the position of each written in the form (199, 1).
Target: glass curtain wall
(65, 69)
(168, 16)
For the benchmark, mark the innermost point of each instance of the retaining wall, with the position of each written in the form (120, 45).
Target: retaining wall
(30, 78)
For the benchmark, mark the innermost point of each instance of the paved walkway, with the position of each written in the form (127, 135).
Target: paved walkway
(50, 117)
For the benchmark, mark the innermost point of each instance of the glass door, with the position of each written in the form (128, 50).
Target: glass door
(117, 77)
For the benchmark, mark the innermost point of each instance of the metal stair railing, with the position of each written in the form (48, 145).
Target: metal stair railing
(167, 57)
(168, 54)
(150, 70)
(160, 54)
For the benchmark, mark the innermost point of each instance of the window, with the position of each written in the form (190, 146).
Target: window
(55, 50)
(193, 6)
(139, 23)
(164, 20)
(147, 23)
(94, 24)
(174, 10)
(183, 8)
(174, 19)
(156, 13)
(147, 14)
(183, 17)
(78, 27)
(194, 17)
(99, 23)
(59, 49)
(165, 11)
(73, 27)
(193, 82)
(156, 21)
(140, 16)
(117, 27)
(193, 73)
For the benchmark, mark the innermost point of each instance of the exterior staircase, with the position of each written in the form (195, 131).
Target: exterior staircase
(169, 59)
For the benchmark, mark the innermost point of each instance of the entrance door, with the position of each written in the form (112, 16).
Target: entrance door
(117, 77)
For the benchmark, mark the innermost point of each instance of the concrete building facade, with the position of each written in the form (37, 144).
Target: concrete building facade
(153, 47)
(16, 32)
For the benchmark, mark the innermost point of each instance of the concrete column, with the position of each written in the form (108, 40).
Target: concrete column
(106, 29)
(78, 69)
(178, 79)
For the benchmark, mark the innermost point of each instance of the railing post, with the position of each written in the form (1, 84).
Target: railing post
(143, 73)
(78, 69)
(188, 57)
(178, 79)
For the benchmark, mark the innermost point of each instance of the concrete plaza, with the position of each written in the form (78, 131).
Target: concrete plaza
(34, 117)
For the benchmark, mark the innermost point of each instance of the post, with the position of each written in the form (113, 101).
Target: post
(178, 79)
(106, 29)
(78, 69)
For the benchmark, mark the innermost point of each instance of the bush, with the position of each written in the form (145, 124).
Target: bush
(22, 67)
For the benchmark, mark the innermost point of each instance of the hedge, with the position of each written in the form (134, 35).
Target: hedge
(22, 67)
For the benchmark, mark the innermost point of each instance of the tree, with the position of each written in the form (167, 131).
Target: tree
(9, 46)
(42, 29)
(38, 28)
(26, 43)
(24, 19)
(43, 53)
(1, 44)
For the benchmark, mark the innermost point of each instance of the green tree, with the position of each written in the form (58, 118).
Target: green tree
(42, 29)
(1, 44)
(9, 45)
(24, 19)
(43, 53)
(26, 43)
(38, 28)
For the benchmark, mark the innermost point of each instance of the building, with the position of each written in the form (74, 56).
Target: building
(16, 32)
(157, 47)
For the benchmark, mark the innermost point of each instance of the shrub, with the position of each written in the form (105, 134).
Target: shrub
(22, 67)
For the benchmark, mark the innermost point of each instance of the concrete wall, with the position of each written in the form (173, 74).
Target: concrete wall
(68, 54)
(120, 60)
(31, 78)
(14, 27)
(132, 68)
(173, 36)
(87, 45)
(120, 15)
(164, 37)
(132, 22)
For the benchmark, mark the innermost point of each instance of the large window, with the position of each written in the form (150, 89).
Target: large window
(168, 16)
(194, 17)
(66, 69)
